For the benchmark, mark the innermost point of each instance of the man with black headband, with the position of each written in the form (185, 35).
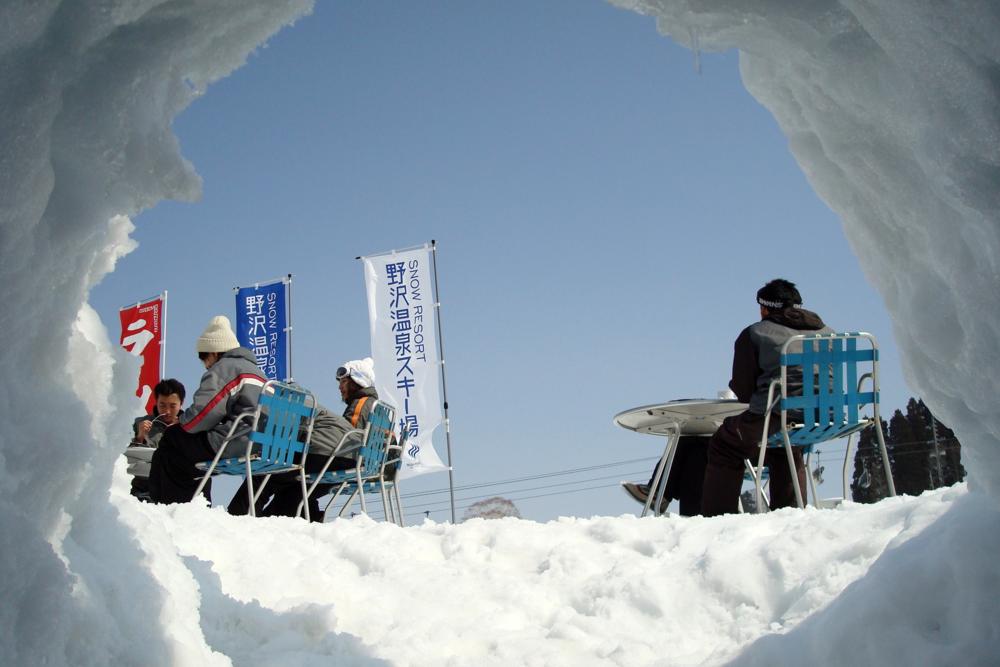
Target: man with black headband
(756, 361)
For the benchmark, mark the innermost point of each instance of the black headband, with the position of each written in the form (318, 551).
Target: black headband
(776, 305)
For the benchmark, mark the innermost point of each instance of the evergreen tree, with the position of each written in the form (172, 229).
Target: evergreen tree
(868, 484)
(909, 436)
(923, 454)
(945, 450)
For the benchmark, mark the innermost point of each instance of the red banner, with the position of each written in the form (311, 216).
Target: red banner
(142, 335)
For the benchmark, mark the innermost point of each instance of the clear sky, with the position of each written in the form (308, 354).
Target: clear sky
(604, 214)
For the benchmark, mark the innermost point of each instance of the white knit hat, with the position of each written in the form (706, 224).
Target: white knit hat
(218, 336)
(361, 371)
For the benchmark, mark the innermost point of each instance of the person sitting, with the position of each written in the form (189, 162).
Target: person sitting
(282, 494)
(231, 385)
(756, 362)
(684, 484)
(147, 431)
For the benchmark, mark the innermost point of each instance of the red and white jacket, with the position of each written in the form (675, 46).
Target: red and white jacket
(229, 387)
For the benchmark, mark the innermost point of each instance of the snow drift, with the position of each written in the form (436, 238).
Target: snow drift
(890, 108)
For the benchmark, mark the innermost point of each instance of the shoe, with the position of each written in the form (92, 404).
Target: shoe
(640, 493)
(637, 492)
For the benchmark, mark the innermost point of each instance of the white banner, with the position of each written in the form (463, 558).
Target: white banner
(400, 287)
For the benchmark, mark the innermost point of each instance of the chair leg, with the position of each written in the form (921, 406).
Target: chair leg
(305, 493)
(399, 505)
(847, 457)
(260, 489)
(758, 475)
(759, 485)
(810, 484)
(347, 504)
(386, 506)
(885, 455)
(360, 488)
(251, 496)
(795, 473)
(336, 494)
(208, 474)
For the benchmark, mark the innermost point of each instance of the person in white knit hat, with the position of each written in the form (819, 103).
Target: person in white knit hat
(230, 385)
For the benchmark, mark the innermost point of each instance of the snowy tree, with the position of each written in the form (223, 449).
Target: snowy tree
(492, 508)
(749, 500)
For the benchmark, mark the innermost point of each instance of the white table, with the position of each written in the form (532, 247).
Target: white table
(686, 416)
(139, 460)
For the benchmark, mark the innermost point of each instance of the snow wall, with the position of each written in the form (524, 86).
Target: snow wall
(890, 108)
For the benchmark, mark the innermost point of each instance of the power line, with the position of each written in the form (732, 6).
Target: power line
(540, 495)
(526, 478)
(535, 488)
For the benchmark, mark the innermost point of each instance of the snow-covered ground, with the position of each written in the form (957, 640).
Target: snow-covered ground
(890, 108)
(604, 590)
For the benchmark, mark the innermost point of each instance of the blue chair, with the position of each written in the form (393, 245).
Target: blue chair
(371, 455)
(279, 431)
(387, 485)
(818, 398)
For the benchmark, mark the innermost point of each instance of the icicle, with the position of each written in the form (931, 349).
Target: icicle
(696, 47)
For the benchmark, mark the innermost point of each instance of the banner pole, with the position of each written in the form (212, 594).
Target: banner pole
(288, 325)
(163, 338)
(444, 386)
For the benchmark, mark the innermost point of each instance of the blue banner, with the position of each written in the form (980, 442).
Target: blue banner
(262, 326)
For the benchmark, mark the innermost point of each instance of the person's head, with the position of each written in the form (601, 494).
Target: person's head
(778, 295)
(217, 339)
(169, 395)
(354, 376)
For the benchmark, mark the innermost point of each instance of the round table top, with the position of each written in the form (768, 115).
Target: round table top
(694, 416)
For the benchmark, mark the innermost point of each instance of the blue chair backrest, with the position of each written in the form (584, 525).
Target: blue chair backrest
(378, 433)
(284, 422)
(829, 366)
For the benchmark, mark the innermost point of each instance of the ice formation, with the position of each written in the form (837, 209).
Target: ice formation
(890, 108)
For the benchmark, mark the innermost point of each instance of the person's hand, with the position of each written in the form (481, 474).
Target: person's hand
(143, 431)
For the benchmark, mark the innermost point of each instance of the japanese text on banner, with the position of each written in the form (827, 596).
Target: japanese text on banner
(261, 327)
(141, 335)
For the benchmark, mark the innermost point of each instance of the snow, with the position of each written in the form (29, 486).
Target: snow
(604, 590)
(890, 108)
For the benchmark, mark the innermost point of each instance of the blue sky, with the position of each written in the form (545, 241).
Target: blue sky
(604, 215)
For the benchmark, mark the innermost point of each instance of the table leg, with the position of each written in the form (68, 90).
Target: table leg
(659, 486)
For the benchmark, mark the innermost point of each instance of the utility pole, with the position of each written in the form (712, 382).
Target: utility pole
(937, 452)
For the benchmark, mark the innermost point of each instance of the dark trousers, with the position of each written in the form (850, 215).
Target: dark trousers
(285, 493)
(140, 488)
(687, 474)
(172, 476)
(737, 439)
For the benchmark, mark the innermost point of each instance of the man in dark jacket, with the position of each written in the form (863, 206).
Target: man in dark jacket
(231, 384)
(356, 380)
(756, 361)
(147, 431)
